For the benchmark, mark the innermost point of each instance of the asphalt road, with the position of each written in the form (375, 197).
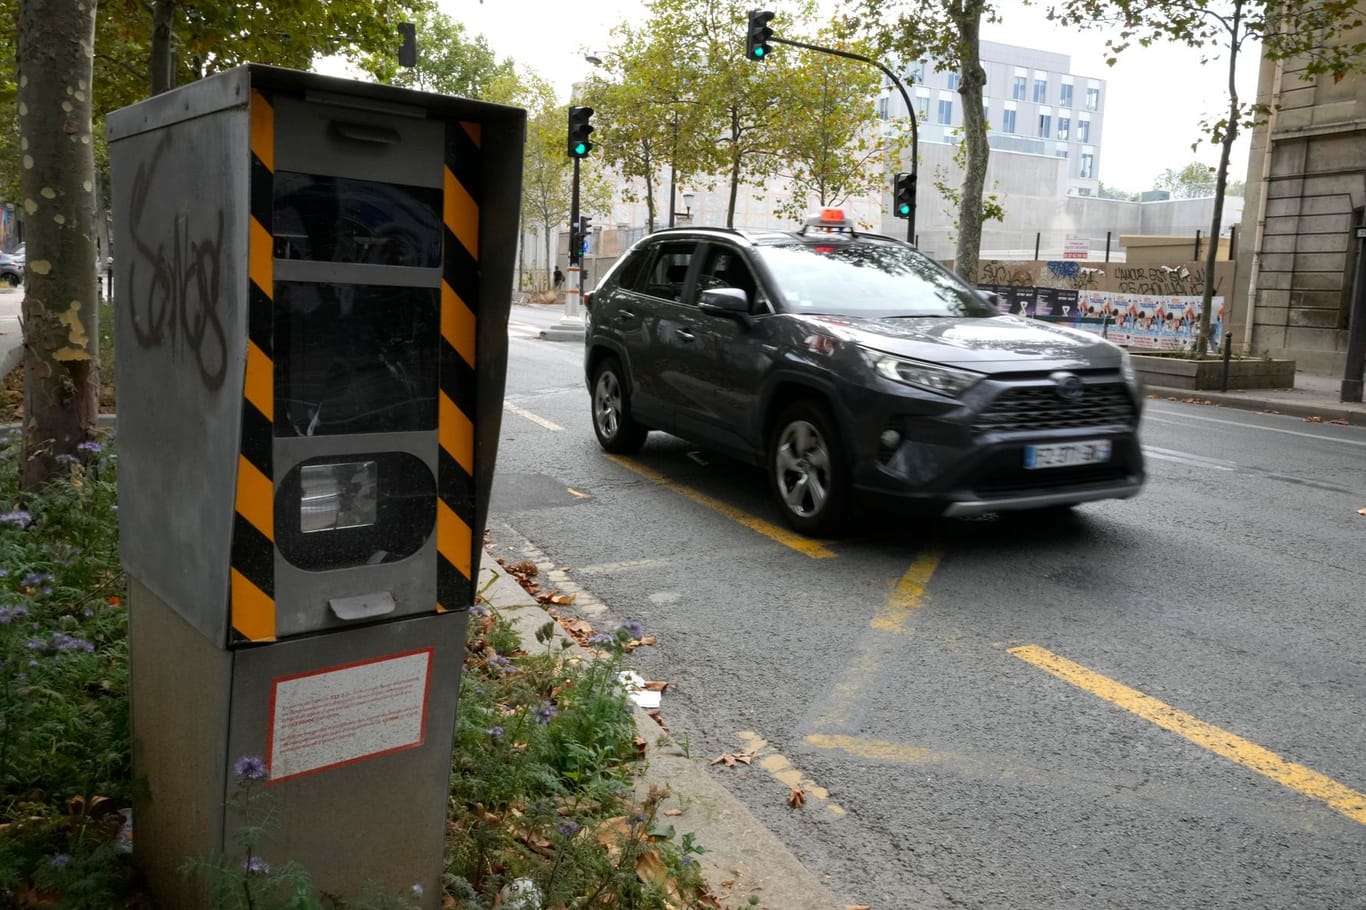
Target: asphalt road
(1157, 703)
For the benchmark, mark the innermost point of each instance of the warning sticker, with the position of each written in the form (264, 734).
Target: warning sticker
(343, 714)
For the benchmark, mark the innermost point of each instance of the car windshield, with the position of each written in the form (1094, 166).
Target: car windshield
(872, 279)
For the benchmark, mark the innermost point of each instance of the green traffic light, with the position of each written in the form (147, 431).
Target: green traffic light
(905, 209)
(581, 149)
(758, 52)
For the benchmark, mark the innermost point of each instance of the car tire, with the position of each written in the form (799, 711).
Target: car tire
(616, 430)
(807, 470)
(10, 280)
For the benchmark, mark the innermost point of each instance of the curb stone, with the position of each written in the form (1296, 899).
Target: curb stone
(739, 850)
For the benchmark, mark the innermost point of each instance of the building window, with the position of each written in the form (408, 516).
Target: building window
(945, 111)
(1088, 166)
(953, 82)
(882, 108)
(1065, 94)
(1093, 98)
(1084, 130)
(1017, 88)
(922, 107)
(1045, 124)
(1040, 91)
(1061, 153)
(1064, 127)
(1008, 121)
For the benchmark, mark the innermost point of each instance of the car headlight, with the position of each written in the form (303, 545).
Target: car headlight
(931, 377)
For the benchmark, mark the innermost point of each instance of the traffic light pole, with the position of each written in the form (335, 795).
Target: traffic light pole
(570, 326)
(910, 112)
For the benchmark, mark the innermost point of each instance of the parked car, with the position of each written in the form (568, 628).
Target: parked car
(12, 268)
(850, 364)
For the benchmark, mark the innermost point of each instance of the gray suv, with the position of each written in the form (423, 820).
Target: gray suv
(851, 365)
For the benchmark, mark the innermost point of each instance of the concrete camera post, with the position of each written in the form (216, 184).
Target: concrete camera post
(314, 285)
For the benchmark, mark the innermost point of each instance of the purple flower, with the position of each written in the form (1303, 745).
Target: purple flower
(66, 459)
(18, 517)
(9, 614)
(502, 665)
(494, 731)
(60, 861)
(567, 827)
(34, 579)
(601, 638)
(63, 642)
(257, 865)
(544, 713)
(249, 767)
(479, 610)
(91, 447)
(418, 890)
(632, 628)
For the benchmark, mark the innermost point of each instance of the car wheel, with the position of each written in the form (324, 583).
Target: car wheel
(807, 470)
(617, 431)
(9, 280)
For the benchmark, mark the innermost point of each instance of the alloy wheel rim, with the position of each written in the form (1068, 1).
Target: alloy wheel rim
(607, 407)
(802, 468)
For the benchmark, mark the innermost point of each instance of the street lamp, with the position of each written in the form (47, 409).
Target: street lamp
(687, 203)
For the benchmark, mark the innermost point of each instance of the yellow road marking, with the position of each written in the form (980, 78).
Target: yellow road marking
(876, 749)
(1250, 755)
(785, 773)
(910, 592)
(538, 420)
(803, 545)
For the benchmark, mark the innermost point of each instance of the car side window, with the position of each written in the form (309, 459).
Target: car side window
(667, 272)
(725, 267)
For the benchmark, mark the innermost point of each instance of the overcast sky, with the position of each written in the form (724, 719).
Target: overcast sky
(1156, 97)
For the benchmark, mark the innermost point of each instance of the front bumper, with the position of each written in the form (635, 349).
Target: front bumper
(968, 457)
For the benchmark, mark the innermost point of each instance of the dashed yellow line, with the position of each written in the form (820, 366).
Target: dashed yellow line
(1302, 780)
(805, 546)
(534, 418)
(875, 749)
(909, 595)
(782, 770)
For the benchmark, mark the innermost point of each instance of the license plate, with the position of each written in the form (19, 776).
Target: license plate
(1067, 454)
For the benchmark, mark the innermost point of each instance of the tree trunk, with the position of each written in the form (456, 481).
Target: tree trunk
(734, 167)
(967, 17)
(61, 369)
(1220, 184)
(162, 62)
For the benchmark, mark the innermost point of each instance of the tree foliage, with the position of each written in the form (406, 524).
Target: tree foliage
(1308, 33)
(1194, 181)
(678, 94)
(452, 62)
(950, 32)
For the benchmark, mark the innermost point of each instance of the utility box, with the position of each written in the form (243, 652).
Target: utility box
(314, 281)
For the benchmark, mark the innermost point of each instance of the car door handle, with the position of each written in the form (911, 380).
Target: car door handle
(625, 315)
(685, 335)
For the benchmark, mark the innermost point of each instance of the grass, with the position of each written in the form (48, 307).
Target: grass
(542, 811)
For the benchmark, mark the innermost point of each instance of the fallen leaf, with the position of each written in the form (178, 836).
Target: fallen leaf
(640, 745)
(673, 812)
(1341, 421)
(1361, 511)
(1313, 419)
(655, 686)
(647, 640)
(796, 798)
(725, 758)
(858, 907)
(659, 720)
(574, 492)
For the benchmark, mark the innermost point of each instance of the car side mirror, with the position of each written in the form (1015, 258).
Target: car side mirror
(990, 297)
(731, 302)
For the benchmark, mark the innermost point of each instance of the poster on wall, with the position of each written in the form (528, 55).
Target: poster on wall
(1153, 322)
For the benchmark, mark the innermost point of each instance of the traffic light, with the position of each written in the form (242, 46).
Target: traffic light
(756, 43)
(579, 128)
(903, 195)
(407, 51)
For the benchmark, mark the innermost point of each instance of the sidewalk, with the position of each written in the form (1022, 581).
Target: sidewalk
(1313, 396)
(742, 857)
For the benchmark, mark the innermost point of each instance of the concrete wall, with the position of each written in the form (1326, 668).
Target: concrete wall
(1306, 190)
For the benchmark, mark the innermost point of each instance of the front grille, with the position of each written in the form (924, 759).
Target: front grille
(1039, 408)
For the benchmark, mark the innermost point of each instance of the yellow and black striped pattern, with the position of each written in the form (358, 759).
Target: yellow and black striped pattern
(253, 539)
(456, 403)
